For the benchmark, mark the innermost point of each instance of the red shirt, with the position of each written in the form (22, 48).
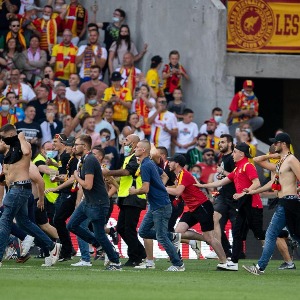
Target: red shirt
(192, 195)
(242, 177)
(206, 171)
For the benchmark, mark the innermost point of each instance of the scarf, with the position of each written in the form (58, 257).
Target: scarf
(62, 61)
(130, 80)
(76, 22)
(19, 93)
(63, 107)
(10, 119)
(51, 31)
(143, 110)
(89, 61)
(20, 38)
(276, 186)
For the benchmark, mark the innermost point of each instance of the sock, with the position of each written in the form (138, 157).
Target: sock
(289, 262)
(150, 261)
(192, 243)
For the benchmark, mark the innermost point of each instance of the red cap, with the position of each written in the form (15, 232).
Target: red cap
(211, 120)
(248, 83)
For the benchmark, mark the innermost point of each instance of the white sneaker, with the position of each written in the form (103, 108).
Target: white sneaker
(48, 262)
(176, 268)
(9, 252)
(211, 255)
(54, 253)
(145, 265)
(26, 244)
(229, 266)
(82, 263)
(197, 249)
(106, 260)
(176, 241)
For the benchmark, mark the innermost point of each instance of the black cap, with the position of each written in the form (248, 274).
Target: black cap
(244, 148)
(178, 158)
(281, 137)
(116, 76)
(70, 141)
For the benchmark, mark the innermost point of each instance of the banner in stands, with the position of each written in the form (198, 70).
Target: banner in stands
(264, 26)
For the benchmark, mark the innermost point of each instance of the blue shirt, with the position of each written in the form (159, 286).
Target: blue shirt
(157, 195)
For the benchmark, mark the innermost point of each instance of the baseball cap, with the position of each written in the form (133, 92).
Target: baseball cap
(281, 137)
(244, 148)
(248, 83)
(70, 141)
(178, 158)
(116, 76)
(211, 120)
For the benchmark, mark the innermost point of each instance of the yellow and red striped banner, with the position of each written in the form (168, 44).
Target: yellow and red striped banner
(265, 26)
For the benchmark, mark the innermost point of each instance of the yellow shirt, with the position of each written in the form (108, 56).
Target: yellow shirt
(120, 111)
(153, 80)
(213, 143)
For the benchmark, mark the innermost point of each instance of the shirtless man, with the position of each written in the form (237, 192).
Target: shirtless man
(287, 213)
(16, 170)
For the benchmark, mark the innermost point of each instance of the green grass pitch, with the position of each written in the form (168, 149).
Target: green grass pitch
(200, 281)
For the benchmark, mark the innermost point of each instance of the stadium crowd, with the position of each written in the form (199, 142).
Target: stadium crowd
(70, 143)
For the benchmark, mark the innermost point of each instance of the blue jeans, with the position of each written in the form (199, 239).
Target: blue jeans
(96, 213)
(277, 223)
(16, 206)
(155, 226)
(84, 246)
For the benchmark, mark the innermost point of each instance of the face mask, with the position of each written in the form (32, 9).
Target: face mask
(93, 101)
(58, 6)
(103, 140)
(33, 17)
(11, 141)
(50, 154)
(5, 107)
(55, 153)
(210, 131)
(196, 175)
(127, 150)
(107, 166)
(218, 119)
(115, 19)
(46, 18)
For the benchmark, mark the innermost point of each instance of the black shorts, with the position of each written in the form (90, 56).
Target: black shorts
(225, 206)
(41, 217)
(203, 214)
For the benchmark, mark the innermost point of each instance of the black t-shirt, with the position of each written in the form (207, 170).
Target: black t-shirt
(171, 180)
(228, 165)
(70, 168)
(63, 162)
(40, 110)
(132, 166)
(111, 34)
(31, 130)
(98, 193)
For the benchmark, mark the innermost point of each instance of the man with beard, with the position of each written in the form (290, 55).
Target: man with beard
(250, 209)
(16, 171)
(194, 155)
(287, 172)
(95, 205)
(208, 165)
(225, 206)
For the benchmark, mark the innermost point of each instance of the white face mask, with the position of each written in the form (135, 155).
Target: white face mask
(116, 19)
(92, 101)
(218, 119)
(5, 107)
(58, 6)
(46, 18)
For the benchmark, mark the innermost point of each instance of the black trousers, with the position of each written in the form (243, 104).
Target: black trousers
(127, 228)
(248, 217)
(176, 213)
(64, 207)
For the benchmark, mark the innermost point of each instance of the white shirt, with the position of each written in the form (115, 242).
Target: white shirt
(46, 131)
(186, 134)
(27, 92)
(81, 50)
(221, 129)
(76, 97)
(125, 78)
(158, 135)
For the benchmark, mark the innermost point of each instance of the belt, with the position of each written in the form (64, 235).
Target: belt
(23, 184)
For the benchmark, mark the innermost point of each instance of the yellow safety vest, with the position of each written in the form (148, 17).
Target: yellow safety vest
(127, 181)
(51, 197)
